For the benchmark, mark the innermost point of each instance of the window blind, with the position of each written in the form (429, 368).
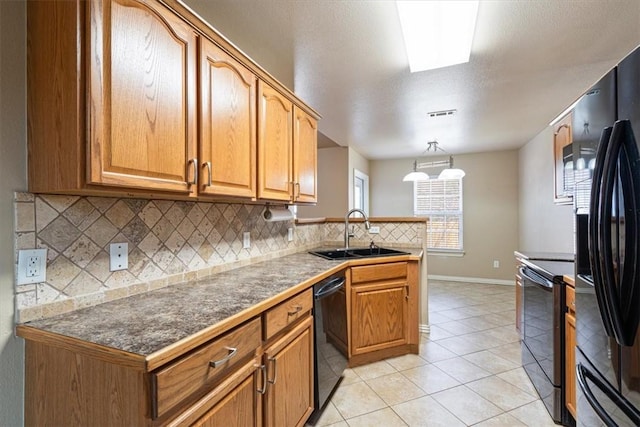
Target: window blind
(441, 201)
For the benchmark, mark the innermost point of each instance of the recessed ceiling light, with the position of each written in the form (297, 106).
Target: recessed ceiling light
(437, 33)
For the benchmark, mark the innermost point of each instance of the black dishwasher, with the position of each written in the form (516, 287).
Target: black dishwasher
(330, 334)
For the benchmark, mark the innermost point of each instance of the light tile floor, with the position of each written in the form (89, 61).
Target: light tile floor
(468, 371)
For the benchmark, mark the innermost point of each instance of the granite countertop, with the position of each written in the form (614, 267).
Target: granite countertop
(147, 323)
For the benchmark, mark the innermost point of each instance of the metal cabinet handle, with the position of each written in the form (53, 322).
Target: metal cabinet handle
(208, 166)
(275, 370)
(297, 310)
(216, 363)
(297, 185)
(193, 161)
(263, 368)
(292, 186)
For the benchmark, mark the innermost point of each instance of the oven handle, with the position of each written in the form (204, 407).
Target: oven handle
(536, 278)
(331, 287)
(583, 373)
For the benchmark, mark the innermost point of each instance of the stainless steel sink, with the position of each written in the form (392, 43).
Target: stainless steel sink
(354, 253)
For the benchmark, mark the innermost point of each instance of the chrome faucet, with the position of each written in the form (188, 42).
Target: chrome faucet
(346, 225)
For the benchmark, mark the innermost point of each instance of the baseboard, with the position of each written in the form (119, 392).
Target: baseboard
(472, 280)
(424, 329)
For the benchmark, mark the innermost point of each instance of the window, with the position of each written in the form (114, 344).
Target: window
(361, 191)
(441, 201)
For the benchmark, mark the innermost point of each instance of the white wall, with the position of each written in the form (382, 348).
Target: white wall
(13, 176)
(544, 226)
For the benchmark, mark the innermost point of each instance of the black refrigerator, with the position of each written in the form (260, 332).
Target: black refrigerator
(608, 249)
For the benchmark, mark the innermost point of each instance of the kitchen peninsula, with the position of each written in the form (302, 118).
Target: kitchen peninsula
(149, 359)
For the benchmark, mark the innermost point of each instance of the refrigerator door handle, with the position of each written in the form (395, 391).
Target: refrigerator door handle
(629, 163)
(583, 374)
(609, 287)
(593, 234)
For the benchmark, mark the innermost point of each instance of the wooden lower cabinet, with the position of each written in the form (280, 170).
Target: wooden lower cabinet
(289, 362)
(570, 352)
(235, 402)
(383, 310)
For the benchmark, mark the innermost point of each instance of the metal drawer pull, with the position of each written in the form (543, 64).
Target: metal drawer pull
(232, 352)
(208, 166)
(263, 368)
(297, 185)
(275, 371)
(195, 171)
(298, 308)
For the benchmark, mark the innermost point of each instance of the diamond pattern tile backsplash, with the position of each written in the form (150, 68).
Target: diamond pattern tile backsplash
(169, 242)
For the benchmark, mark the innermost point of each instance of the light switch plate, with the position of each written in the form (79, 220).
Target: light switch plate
(246, 240)
(32, 266)
(374, 229)
(290, 234)
(118, 256)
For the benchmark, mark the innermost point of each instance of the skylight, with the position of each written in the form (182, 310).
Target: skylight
(437, 33)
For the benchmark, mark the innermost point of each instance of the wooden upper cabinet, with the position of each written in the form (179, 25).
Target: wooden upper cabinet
(275, 144)
(142, 97)
(227, 124)
(305, 156)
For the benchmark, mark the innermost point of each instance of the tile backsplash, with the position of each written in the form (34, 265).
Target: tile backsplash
(168, 241)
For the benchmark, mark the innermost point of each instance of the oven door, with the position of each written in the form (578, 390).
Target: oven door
(542, 338)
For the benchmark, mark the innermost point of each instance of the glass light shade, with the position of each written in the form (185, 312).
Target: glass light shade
(568, 166)
(592, 164)
(580, 164)
(451, 173)
(416, 176)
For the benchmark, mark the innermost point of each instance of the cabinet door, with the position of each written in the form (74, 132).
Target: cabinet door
(142, 97)
(570, 363)
(289, 397)
(227, 123)
(239, 408)
(305, 155)
(381, 320)
(275, 145)
(235, 402)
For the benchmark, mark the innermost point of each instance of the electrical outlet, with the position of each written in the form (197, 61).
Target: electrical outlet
(32, 266)
(118, 256)
(246, 240)
(290, 234)
(374, 230)
(496, 264)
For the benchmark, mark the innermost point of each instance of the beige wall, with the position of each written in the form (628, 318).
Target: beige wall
(356, 161)
(12, 177)
(333, 167)
(490, 203)
(544, 226)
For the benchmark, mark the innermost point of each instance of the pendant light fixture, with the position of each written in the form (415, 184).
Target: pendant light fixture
(448, 173)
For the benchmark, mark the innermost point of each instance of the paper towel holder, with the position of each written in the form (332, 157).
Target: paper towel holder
(280, 214)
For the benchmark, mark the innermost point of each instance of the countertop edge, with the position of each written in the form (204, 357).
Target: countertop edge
(160, 357)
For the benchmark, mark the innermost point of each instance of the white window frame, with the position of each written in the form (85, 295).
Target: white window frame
(426, 213)
(364, 179)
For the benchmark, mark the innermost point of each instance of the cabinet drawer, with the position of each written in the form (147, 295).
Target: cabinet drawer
(571, 298)
(288, 312)
(368, 273)
(194, 372)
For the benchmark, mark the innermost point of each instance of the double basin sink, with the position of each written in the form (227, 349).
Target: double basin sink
(342, 254)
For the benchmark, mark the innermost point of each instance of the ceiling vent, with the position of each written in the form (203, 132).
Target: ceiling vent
(442, 113)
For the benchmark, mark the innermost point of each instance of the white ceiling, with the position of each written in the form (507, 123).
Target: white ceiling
(346, 58)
